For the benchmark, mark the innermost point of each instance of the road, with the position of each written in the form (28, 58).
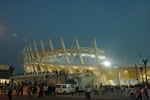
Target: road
(109, 96)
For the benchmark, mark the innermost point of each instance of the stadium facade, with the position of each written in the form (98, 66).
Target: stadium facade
(72, 55)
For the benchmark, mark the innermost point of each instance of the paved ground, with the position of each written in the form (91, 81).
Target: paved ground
(109, 96)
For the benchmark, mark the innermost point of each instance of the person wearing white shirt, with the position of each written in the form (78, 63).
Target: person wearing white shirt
(126, 92)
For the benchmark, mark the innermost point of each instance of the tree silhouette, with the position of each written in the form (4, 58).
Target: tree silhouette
(145, 67)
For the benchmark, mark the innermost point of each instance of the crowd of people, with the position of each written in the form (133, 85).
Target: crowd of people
(138, 91)
(42, 88)
(39, 89)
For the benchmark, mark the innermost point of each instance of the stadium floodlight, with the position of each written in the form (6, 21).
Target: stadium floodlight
(106, 63)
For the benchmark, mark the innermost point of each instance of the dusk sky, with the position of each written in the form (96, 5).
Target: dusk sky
(119, 26)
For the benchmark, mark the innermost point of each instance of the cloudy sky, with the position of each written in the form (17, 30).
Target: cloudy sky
(119, 26)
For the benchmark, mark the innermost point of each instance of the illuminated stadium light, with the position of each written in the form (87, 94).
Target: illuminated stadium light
(54, 52)
(62, 66)
(102, 57)
(74, 54)
(36, 63)
(106, 63)
(116, 66)
(69, 54)
(51, 65)
(74, 67)
(90, 68)
(93, 56)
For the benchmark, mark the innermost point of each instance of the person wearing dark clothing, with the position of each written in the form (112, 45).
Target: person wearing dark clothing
(53, 90)
(21, 88)
(11, 88)
(41, 91)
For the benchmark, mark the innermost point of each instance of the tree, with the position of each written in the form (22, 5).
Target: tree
(145, 67)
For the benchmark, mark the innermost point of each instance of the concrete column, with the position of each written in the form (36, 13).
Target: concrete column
(49, 69)
(95, 49)
(28, 53)
(32, 69)
(43, 50)
(65, 54)
(30, 48)
(41, 67)
(25, 68)
(52, 50)
(64, 50)
(25, 54)
(36, 51)
(35, 67)
(118, 77)
(102, 77)
(28, 69)
(78, 50)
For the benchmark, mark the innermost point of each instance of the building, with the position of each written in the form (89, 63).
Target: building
(73, 55)
(5, 73)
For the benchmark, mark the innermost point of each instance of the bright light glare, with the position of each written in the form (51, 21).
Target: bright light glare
(106, 63)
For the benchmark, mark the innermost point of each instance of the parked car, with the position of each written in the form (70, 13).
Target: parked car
(64, 88)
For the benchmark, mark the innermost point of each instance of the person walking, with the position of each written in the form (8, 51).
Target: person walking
(81, 90)
(96, 90)
(30, 89)
(41, 91)
(10, 89)
(53, 90)
(4, 88)
(87, 92)
(139, 93)
(21, 88)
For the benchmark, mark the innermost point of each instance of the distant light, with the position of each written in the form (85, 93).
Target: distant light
(126, 71)
(75, 67)
(90, 68)
(116, 66)
(106, 63)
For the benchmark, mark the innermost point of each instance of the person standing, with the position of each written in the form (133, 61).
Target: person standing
(85, 89)
(4, 88)
(21, 88)
(87, 92)
(81, 90)
(148, 92)
(30, 89)
(41, 91)
(96, 90)
(11, 88)
(138, 90)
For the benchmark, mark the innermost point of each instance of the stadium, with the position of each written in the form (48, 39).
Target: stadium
(74, 56)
